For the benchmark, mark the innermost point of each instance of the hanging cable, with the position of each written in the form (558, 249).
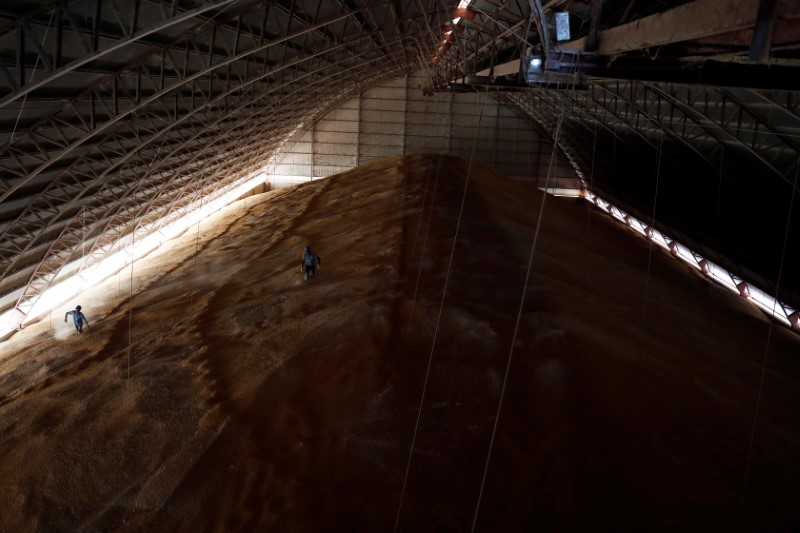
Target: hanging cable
(653, 224)
(197, 246)
(35, 66)
(553, 156)
(425, 238)
(584, 253)
(130, 301)
(439, 317)
(767, 345)
(719, 183)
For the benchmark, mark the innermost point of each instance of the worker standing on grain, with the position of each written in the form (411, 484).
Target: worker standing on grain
(309, 263)
(78, 318)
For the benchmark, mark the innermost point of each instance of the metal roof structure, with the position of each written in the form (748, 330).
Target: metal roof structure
(119, 115)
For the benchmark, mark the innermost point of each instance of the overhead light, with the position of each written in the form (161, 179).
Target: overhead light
(460, 13)
(562, 26)
(464, 3)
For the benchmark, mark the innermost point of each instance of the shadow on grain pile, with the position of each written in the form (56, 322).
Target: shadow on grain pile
(215, 390)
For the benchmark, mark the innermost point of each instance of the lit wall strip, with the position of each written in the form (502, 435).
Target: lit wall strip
(784, 313)
(71, 287)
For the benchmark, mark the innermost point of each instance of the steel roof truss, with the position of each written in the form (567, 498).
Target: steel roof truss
(120, 144)
(719, 133)
(235, 142)
(88, 38)
(635, 110)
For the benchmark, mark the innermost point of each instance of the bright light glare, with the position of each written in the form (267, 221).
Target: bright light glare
(716, 273)
(71, 287)
(464, 3)
(456, 20)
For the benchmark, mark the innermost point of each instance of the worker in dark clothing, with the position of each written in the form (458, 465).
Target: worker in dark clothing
(78, 318)
(309, 263)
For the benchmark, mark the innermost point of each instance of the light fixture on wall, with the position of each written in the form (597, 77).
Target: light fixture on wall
(462, 12)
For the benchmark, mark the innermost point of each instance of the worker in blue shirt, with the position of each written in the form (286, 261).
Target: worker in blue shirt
(309, 263)
(78, 318)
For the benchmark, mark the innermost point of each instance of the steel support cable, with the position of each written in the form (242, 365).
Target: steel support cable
(130, 307)
(25, 99)
(130, 303)
(762, 378)
(422, 207)
(196, 250)
(425, 236)
(553, 156)
(439, 316)
(589, 212)
(652, 225)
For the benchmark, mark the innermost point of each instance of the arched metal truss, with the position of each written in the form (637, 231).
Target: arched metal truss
(116, 116)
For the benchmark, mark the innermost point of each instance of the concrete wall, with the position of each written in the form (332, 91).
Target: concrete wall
(397, 119)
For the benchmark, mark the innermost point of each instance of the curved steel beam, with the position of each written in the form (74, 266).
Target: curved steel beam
(42, 198)
(655, 121)
(787, 141)
(40, 280)
(719, 133)
(627, 124)
(117, 115)
(93, 53)
(154, 99)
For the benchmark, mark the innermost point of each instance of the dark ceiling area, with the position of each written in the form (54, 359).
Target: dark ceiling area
(117, 116)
